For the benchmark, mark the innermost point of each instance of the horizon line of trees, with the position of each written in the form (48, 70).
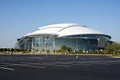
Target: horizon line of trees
(5, 50)
(113, 48)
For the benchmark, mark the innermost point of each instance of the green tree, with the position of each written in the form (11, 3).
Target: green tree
(54, 50)
(48, 51)
(43, 50)
(63, 49)
(114, 48)
(69, 49)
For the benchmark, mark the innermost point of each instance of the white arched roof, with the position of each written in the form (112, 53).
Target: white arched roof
(64, 30)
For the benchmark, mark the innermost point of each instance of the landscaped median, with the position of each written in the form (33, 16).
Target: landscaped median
(47, 54)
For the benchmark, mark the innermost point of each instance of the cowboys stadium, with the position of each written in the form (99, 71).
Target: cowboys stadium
(52, 37)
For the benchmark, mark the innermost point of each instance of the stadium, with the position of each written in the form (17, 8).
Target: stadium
(52, 37)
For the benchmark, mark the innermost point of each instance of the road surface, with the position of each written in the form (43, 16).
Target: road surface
(40, 67)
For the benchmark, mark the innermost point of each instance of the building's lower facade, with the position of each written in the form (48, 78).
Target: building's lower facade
(52, 37)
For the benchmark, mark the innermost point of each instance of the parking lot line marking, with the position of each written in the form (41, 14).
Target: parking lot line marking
(28, 65)
(7, 68)
(63, 65)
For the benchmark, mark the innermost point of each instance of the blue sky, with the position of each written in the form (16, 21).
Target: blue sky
(19, 17)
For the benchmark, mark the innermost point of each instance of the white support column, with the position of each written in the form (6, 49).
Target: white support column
(32, 45)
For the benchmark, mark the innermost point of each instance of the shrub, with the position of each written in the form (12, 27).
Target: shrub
(114, 48)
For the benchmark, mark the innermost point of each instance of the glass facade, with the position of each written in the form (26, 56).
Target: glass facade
(42, 41)
(76, 42)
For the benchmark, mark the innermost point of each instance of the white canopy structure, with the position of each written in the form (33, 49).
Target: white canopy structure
(64, 30)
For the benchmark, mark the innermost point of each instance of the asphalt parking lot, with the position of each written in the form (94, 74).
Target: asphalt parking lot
(41, 67)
